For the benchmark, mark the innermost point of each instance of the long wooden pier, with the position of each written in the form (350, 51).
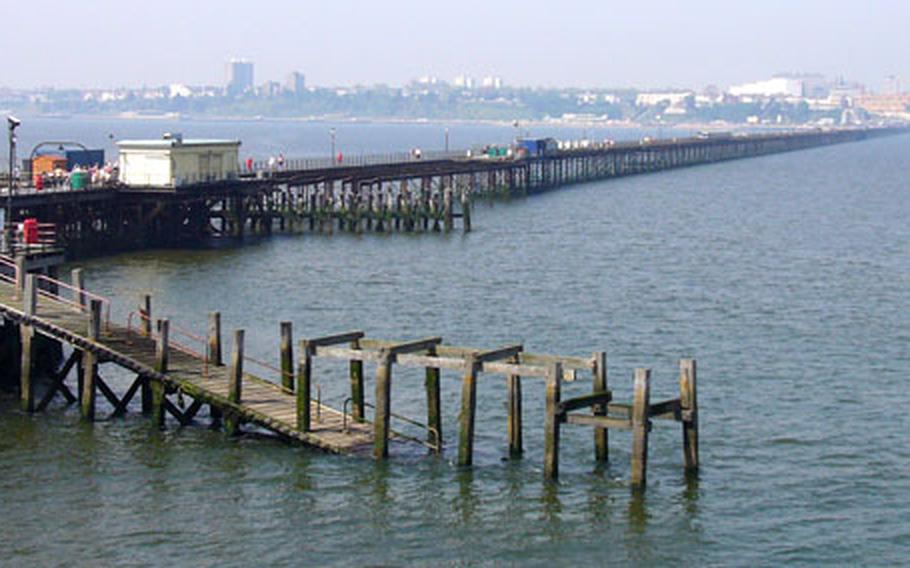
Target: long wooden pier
(171, 364)
(412, 195)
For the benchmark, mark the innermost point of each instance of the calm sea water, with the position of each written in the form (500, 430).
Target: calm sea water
(787, 277)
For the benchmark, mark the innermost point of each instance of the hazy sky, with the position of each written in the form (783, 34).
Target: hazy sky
(598, 43)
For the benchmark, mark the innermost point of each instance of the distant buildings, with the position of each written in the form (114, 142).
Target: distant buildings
(776, 87)
(296, 83)
(239, 77)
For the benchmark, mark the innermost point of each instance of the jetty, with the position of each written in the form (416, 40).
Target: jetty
(389, 193)
(172, 365)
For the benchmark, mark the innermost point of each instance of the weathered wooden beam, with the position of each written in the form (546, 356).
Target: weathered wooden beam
(688, 399)
(412, 346)
(601, 436)
(345, 353)
(552, 421)
(338, 339)
(495, 354)
(381, 420)
(468, 411)
(145, 330)
(58, 384)
(599, 422)
(121, 407)
(666, 410)
(584, 401)
(106, 390)
(640, 427)
(215, 359)
(304, 377)
(287, 355)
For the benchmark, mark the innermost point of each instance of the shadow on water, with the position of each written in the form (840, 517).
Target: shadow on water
(467, 501)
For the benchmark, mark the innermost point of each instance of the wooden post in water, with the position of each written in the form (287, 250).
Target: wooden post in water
(155, 386)
(434, 408)
(688, 401)
(145, 330)
(448, 214)
(641, 424)
(235, 383)
(27, 336)
(552, 421)
(465, 211)
(304, 376)
(89, 365)
(513, 383)
(356, 375)
(215, 359)
(78, 281)
(468, 410)
(601, 437)
(382, 419)
(287, 356)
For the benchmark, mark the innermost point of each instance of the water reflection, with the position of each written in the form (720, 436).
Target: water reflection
(466, 503)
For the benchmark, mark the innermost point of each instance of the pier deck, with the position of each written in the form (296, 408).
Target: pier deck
(264, 403)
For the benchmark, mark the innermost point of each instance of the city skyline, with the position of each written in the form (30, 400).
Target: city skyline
(529, 44)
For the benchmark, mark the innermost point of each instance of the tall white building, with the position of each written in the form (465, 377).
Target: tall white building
(296, 82)
(239, 77)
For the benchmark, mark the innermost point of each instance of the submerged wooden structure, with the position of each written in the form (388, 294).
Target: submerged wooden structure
(171, 364)
(392, 194)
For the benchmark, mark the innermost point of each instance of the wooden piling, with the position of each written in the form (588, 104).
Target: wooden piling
(382, 419)
(145, 330)
(27, 336)
(601, 435)
(78, 282)
(448, 213)
(89, 365)
(235, 383)
(641, 425)
(145, 315)
(513, 383)
(304, 376)
(287, 356)
(552, 421)
(157, 388)
(465, 212)
(355, 369)
(468, 411)
(688, 402)
(215, 359)
(434, 405)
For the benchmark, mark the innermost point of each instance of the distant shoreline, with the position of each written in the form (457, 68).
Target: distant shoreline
(556, 122)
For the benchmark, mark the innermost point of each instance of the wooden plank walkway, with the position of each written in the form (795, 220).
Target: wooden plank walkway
(263, 403)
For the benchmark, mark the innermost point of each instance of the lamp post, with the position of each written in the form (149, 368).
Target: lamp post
(13, 123)
(332, 133)
(447, 139)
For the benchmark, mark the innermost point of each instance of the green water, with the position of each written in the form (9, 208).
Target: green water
(787, 277)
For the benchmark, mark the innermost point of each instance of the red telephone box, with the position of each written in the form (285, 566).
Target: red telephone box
(30, 231)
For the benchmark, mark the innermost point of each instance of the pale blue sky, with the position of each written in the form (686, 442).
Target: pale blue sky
(556, 42)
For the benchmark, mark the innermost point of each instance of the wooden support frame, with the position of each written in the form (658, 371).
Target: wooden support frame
(213, 344)
(432, 376)
(304, 377)
(58, 383)
(514, 428)
(601, 435)
(355, 372)
(382, 418)
(468, 411)
(90, 363)
(156, 387)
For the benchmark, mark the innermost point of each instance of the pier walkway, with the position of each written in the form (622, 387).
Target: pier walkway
(171, 364)
(411, 195)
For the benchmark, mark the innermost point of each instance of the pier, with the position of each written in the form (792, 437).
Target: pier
(179, 374)
(380, 194)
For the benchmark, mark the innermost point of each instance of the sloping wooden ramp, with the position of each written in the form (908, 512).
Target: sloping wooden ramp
(263, 403)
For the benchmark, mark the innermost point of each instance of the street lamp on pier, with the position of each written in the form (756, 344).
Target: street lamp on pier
(332, 133)
(447, 139)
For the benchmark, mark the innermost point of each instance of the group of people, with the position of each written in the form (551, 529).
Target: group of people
(90, 176)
